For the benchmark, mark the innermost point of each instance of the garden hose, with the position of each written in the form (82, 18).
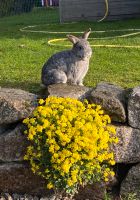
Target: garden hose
(53, 41)
(106, 12)
(26, 29)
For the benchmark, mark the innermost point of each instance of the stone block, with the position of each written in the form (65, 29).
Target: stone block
(112, 99)
(131, 185)
(13, 144)
(15, 105)
(128, 148)
(18, 178)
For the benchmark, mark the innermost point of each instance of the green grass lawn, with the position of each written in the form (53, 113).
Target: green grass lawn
(22, 54)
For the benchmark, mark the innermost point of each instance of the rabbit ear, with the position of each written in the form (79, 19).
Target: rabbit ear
(73, 39)
(86, 34)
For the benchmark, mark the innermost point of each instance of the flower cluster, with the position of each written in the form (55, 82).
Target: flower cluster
(69, 142)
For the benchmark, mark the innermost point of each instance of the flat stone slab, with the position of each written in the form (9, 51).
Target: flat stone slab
(13, 144)
(15, 105)
(128, 148)
(131, 185)
(134, 108)
(18, 178)
(64, 90)
(112, 99)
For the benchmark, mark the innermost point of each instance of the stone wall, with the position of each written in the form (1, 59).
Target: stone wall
(122, 105)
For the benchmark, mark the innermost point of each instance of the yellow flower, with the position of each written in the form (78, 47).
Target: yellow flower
(39, 128)
(52, 149)
(69, 182)
(116, 140)
(48, 133)
(112, 173)
(66, 166)
(45, 123)
(112, 162)
(43, 113)
(49, 185)
(32, 120)
(41, 101)
(70, 141)
(30, 136)
(26, 121)
(106, 179)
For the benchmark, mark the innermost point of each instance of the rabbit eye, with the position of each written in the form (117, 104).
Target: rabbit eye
(80, 47)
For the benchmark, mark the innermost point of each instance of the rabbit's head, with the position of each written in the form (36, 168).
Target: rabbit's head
(81, 46)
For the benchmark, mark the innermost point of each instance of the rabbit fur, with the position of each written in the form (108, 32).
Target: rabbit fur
(69, 66)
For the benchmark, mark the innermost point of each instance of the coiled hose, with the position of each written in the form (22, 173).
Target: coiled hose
(106, 11)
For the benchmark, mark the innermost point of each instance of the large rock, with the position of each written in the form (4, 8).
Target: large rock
(64, 90)
(13, 144)
(134, 108)
(128, 148)
(18, 178)
(95, 191)
(112, 99)
(15, 105)
(131, 185)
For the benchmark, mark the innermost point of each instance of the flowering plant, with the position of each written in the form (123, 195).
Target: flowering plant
(69, 143)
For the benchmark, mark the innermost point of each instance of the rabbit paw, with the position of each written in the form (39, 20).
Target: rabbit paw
(81, 84)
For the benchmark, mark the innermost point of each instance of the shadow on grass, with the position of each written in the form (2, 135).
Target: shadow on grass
(27, 86)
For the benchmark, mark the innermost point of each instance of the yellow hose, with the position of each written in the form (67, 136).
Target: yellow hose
(106, 12)
(52, 43)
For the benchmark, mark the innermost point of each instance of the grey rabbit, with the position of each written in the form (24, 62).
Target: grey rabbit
(69, 66)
